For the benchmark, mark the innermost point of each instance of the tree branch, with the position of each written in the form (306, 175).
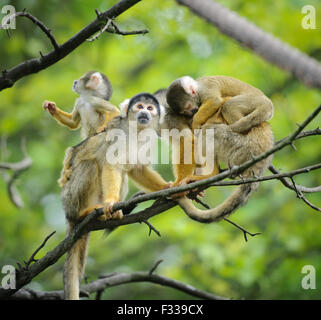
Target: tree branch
(9, 77)
(272, 49)
(117, 279)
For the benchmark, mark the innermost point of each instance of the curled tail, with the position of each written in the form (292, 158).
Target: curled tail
(238, 198)
(74, 267)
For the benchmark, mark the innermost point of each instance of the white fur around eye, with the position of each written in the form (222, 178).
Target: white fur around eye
(190, 85)
(123, 106)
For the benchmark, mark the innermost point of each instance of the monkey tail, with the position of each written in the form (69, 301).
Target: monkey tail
(74, 266)
(238, 198)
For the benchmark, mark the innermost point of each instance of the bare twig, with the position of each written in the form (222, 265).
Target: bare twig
(151, 228)
(288, 185)
(301, 196)
(245, 232)
(96, 36)
(17, 168)
(37, 22)
(155, 266)
(125, 33)
(32, 258)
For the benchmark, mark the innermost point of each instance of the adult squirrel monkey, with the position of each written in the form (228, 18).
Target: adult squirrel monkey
(92, 110)
(237, 114)
(95, 181)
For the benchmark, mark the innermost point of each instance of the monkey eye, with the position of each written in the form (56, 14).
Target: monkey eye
(150, 108)
(140, 106)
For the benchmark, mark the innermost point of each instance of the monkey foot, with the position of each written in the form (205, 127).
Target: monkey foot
(84, 213)
(108, 214)
(101, 129)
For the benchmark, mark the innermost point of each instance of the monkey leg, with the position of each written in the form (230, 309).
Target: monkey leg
(67, 168)
(245, 111)
(108, 117)
(111, 181)
(182, 169)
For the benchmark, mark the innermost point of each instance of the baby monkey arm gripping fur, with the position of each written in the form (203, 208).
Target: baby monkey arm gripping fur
(94, 182)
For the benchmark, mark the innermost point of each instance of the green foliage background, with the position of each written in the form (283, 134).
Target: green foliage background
(211, 257)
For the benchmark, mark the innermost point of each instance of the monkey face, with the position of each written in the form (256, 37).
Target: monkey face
(144, 109)
(144, 113)
(189, 109)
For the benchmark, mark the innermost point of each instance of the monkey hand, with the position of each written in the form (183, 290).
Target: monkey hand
(108, 212)
(50, 106)
(183, 182)
(100, 129)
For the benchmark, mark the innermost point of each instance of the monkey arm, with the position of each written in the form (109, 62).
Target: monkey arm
(206, 111)
(148, 179)
(70, 120)
(102, 105)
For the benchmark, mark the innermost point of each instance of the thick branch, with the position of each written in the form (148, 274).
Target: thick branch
(272, 49)
(9, 77)
(117, 279)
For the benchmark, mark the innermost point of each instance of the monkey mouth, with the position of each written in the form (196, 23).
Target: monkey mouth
(143, 120)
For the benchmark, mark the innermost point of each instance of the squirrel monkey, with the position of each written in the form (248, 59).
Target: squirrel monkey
(92, 110)
(241, 105)
(95, 183)
(231, 147)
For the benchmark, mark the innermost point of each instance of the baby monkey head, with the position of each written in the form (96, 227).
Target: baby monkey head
(143, 108)
(93, 83)
(182, 96)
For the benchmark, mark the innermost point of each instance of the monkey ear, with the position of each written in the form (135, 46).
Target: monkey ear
(162, 113)
(189, 85)
(94, 81)
(124, 108)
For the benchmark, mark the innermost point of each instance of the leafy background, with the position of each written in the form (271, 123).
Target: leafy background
(211, 257)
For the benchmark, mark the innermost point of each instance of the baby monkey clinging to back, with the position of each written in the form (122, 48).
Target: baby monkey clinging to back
(92, 110)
